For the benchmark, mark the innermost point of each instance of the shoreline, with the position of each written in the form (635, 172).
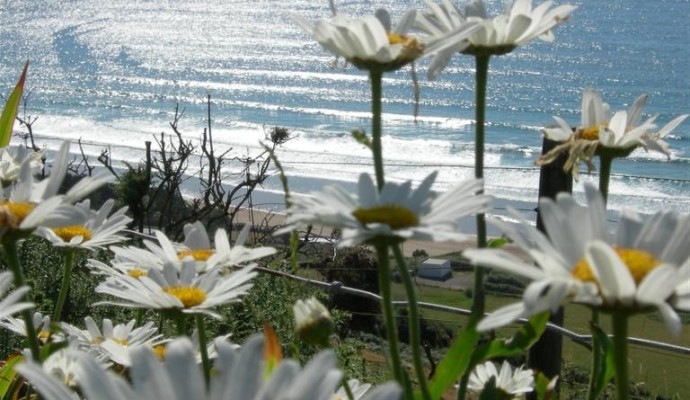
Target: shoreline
(258, 216)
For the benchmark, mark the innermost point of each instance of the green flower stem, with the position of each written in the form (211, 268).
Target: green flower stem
(413, 322)
(376, 78)
(605, 175)
(596, 359)
(462, 387)
(181, 321)
(9, 245)
(205, 363)
(620, 354)
(482, 72)
(139, 316)
(64, 288)
(389, 313)
(348, 391)
(478, 297)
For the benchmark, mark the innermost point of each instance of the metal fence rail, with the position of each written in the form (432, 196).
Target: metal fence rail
(338, 287)
(584, 340)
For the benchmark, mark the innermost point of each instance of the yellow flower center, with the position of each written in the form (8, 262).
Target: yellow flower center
(190, 296)
(159, 351)
(639, 263)
(12, 214)
(122, 342)
(412, 46)
(137, 273)
(97, 340)
(198, 255)
(591, 132)
(43, 336)
(67, 233)
(393, 215)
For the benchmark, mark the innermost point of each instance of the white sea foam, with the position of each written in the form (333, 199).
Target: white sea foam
(111, 74)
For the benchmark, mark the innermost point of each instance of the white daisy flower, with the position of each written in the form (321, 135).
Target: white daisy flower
(197, 245)
(98, 231)
(11, 160)
(371, 43)
(642, 266)
(40, 322)
(62, 365)
(49, 187)
(654, 140)
(601, 132)
(30, 204)
(396, 213)
(211, 347)
(313, 322)
(113, 342)
(63, 368)
(12, 303)
(239, 375)
(680, 299)
(357, 388)
(116, 268)
(132, 260)
(182, 289)
(516, 26)
(513, 384)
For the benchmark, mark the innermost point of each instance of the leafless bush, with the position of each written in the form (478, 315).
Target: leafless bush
(222, 194)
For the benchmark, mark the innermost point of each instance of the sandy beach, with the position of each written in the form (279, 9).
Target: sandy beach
(259, 216)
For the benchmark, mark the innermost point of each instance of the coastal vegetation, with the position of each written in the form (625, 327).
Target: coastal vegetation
(117, 284)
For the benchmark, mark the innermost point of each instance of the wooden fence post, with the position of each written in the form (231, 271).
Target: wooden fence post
(546, 355)
(148, 180)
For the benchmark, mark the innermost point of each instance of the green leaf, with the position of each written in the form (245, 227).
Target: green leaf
(545, 387)
(361, 137)
(497, 243)
(7, 374)
(606, 366)
(522, 340)
(455, 362)
(9, 113)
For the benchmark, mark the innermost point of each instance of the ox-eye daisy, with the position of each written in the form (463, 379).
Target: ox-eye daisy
(99, 230)
(313, 322)
(394, 214)
(12, 303)
(517, 25)
(179, 288)
(117, 267)
(643, 266)
(40, 322)
(30, 203)
(605, 134)
(357, 388)
(197, 247)
(371, 43)
(11, 160)
(113, 342)
(509, 384)
(239, 374)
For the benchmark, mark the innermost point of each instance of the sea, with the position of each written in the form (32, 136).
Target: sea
(111, 74)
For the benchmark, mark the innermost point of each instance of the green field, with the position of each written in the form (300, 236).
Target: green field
(663, 373)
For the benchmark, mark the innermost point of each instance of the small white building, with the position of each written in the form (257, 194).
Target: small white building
(434, 268)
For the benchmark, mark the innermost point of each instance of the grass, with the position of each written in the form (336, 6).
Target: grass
(662, 373)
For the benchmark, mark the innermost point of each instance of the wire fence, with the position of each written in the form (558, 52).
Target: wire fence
(584, 340)
(468, 166)
(339, 287)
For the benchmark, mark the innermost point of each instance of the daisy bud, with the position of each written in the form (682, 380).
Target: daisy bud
(313, 322)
